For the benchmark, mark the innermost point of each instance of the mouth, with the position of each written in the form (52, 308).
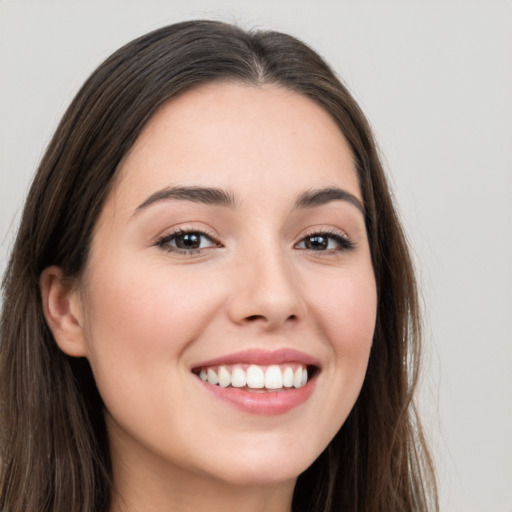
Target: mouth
(258, 378)
(258, 381)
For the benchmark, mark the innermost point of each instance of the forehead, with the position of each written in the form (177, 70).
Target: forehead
(249, 139)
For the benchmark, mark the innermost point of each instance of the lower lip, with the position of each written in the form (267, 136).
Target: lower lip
(265, 402)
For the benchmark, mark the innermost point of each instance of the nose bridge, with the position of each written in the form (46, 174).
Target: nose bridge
(266, 289)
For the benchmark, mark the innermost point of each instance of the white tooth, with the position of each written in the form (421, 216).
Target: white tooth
(273, 377)
(238, 377)
(297, 377)
(224, 377)
(304, 377)
(255, 377)
(203, 376)
(288, 377)
(212, 377)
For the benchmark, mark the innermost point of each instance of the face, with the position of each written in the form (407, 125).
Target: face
(230, 259)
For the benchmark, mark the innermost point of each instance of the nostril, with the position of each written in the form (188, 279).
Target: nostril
(254, 317)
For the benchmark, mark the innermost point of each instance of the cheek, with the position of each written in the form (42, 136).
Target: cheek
(128, 299)
(141, 324)
(344, 309)
(140, 321)
(347, 311)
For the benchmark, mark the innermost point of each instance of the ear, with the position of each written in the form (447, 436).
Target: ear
(63, 311)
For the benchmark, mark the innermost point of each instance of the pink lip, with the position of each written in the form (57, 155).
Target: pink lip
(266, 402)
(262, 357)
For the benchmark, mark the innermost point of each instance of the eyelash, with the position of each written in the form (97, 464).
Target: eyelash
(164, 241)
(344, 244)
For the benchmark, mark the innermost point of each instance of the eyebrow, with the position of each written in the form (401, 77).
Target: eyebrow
(203, 195)
(312, 198)
(220, 197)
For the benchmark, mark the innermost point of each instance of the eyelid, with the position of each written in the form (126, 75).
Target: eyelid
(325, 230)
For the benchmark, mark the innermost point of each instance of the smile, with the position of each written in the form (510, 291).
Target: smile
(256, 377)
(258, 381)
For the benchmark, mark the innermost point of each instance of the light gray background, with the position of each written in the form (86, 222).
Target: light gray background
(435, 79)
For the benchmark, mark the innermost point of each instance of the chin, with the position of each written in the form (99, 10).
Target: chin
(263, 475)
(264, 467)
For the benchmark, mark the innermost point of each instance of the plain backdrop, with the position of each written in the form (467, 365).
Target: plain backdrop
(435, 79)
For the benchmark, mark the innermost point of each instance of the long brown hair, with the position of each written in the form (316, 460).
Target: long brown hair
(54, 449)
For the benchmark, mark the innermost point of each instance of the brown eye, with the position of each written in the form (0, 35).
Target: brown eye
(325, 242)
(316, 243)
(187, 242)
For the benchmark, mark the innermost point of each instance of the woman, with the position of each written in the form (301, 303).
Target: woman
(210, 304)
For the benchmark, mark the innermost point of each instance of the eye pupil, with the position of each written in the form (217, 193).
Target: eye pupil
(317, 242)
(188, 241)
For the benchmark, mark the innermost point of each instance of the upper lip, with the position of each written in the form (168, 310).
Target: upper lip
(261, 357)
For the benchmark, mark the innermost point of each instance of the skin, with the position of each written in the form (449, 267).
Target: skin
(144, 314)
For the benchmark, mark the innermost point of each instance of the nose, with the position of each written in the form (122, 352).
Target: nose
(266, 291)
